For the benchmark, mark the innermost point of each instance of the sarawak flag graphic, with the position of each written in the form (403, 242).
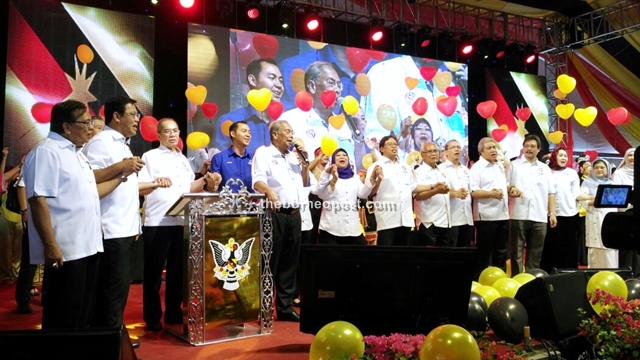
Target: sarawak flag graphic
(59, 51)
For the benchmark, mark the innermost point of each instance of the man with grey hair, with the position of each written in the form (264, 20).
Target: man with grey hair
(279, 173)
(490, 207)
(310, 126)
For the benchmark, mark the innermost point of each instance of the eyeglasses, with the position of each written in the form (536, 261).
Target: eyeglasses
(171, 131)
(135, 115)
(391, 144)
(429, 151)
(453, 147)
(88, 123)
(332, 82)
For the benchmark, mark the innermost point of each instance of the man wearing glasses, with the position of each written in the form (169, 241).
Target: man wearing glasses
(64, 217)
(110, 157)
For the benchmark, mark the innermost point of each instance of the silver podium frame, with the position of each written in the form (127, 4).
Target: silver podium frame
(198, 207)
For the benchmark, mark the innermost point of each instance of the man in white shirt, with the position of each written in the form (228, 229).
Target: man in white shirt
(433, 204)
(391, 184)
(278, 173)
(64, 217)
(535, 198)
(171, 176)
(110, 157)
(490, 207)
(461, 212)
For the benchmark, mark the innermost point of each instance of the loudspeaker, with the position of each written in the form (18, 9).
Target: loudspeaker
(99, 344)
(552, 304)
(625, 273)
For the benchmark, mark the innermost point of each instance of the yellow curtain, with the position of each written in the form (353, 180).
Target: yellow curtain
(608, 64)
(619, 21)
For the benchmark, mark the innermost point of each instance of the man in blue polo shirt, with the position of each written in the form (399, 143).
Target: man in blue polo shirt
(235, 162)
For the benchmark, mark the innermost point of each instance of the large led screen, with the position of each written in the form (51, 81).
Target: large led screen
(417, 99)
(58, 51)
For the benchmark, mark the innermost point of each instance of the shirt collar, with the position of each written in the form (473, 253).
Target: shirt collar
(62, 141)
(116, 135)
(231, 152)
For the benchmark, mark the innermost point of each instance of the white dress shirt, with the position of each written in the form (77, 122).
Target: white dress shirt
(120, 209)
(162, 162)
(394, 200)
(458, 176)
(535, 182)
(340, 216)
(58, 171)
(567, 188)
(436, 209)
(280, 172)
(305, 208)
(486, 176)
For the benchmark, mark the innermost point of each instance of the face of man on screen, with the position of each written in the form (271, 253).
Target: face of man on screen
(270, 78)
(327, 80)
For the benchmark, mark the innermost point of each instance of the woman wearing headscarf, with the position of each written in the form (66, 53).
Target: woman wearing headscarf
(338, 187)
(599, 256)
(624, 176)
(561, 243)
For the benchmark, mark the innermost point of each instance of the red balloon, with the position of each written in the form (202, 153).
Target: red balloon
(487, 108)
(304, 101)
(266, 45)
(498, 134)
(453, 90)
(593, 154)
(628, 119)
(209, 109)
(180, 144)
(617, 116)
(42, 112)
(523, 114)
(358, 58)
(420, 106)
(428, 72)
(101, 111)
(275, 109)
(328, 97)
(377, 55)
(149, 128)
(447, 106)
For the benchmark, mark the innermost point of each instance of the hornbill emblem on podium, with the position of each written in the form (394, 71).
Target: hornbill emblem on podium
(232, 261)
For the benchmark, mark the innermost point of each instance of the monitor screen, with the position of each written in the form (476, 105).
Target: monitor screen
(613, 196)
(382, 290)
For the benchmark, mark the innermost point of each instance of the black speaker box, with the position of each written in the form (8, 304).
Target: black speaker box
(552, 304)
(98, 344)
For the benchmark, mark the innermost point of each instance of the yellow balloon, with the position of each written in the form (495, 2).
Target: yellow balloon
(566, 83)
(328, 144)
(197, 94)
(523, 278)
(442, 80)
(449, 342)
(317, 45)
(336, 121)
(259, 99)
(197, 140)
(565, 111)
(412, 157)
(556, 137)
(586, 117)
(296, 79)
(506, 287)
(337, 340)
(488, 293)
(367, 160)
(474, 285)
(489, 275)
(363, 84)
(609, 282)
(85, 54)
(350, 105)
(225, 126)
(387, 117)
(453, 66)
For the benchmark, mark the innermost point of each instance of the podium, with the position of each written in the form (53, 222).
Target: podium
(228, 286)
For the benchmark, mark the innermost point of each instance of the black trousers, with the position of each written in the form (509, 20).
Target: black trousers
(68, 293)
(114, 279)
(27, 272)
(492, 242)
(398, 236)
(163, 244)
(561, 245)
(284, 257)
(465, 235)
(583, 259)
(435, 236)
(327, 238)
(316, 212)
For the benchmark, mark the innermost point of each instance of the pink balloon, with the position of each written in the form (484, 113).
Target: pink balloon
(328, 97)
(447, 106)
(453, 90)
(42, 112)
(428, 72)
(487, 108)
(209, 109)
(420, 106)
(523, 114)
(275, 109)
(149, 128)
(617, 116)
(304, 101)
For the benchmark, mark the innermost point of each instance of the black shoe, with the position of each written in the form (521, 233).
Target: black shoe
(155, 327)
(25, 309)
(289, 316)
(173, 317)
(135, 345)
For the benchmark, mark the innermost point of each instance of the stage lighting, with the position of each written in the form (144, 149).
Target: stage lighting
(285, 19)
(422, 36)
(187, 3)
(377, 31)
(402, 35)
(154, 2)
(466, 48)
(313, 22)
(500, 46)
(253, 9)
(530, 55)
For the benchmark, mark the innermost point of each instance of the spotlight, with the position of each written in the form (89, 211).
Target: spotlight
(253, 9)
(466, 45)
(311, 19)
(313, 22)
(154, 2)
(500, 48)
(285, 19)
(377, 32)
(285, 14)
(187, 3)
(530, 55)
(402, 35)
(422, 36)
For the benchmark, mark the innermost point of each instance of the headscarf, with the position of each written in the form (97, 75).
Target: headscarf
(626, 168)
(553, 159)
(593, 181)
(343, 173)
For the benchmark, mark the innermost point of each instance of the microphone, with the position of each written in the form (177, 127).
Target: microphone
(302, 154)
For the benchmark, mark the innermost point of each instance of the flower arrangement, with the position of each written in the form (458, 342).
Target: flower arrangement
(615, 333)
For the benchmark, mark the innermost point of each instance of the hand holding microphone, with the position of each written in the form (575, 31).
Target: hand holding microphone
(301, 153)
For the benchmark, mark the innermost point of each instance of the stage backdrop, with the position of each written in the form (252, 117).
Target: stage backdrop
(58, 51)
(393, 93)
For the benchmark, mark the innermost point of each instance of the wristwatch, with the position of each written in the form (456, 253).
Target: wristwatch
(23, 211)
(155, 185)
(123, 177)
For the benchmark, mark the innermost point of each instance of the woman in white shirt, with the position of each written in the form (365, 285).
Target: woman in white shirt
(599, 256)
(624, 176)
(561, 243)
(338, 187)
